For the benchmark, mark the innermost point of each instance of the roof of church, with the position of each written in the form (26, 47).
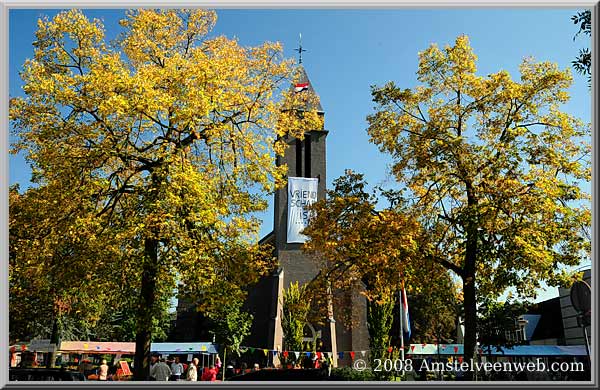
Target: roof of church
(302, 84)
(268, 239)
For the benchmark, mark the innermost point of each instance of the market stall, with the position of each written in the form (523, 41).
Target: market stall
(31, 354)
(98, 347)
(206, 352)
(517, 350)
(87, 355)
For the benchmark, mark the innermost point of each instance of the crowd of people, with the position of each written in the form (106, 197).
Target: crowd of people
(163, 368)
(175, 370)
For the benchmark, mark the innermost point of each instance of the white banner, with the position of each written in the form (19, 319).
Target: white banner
(302, 192)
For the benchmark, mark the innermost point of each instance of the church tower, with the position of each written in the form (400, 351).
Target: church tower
(305, 159)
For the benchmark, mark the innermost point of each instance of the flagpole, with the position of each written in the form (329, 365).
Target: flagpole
(401, 325)
(401, 311)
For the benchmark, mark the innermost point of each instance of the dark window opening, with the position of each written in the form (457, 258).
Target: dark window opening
(298, 158)
(307, 153)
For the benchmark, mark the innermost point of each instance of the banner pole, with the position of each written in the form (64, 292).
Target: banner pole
(401, 311)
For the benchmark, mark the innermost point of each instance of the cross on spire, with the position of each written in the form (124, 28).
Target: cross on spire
(300, 50)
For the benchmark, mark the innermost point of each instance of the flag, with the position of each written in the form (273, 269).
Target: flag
(300, 87)
(405, 316)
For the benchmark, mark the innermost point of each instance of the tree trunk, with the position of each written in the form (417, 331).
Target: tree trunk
(470, 336)
(145, 314)
(468, 277)
(54, 339)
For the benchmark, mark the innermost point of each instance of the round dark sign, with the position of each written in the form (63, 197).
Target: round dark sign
(581, 296)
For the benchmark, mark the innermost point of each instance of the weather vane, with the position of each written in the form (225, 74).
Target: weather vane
(300, 50)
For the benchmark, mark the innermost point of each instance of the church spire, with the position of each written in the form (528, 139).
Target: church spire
(299, 49)
(301, 85)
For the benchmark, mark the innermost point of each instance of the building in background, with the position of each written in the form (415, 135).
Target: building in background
(551, 322)
(573, 333)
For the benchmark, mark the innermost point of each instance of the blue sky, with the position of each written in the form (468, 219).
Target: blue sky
(350, 50)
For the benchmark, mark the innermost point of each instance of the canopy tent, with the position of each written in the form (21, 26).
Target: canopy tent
(517, 350)
(19, 347)
(129, 347)
(542, 350)
(432, 349)
(98, 347)
(181, 348)
(36, 345)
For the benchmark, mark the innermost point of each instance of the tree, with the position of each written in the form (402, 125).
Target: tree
(294, 316)
(496, 321)
(169, 132)
(359, 245)
(379, 324)
(231, 325)
(493, 169)
(58, 281)
(435, 308)
(355, 243)
(583, 62)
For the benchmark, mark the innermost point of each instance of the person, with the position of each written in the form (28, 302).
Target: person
(325, 366)
(230, 370)
(113, 368)
(160, 371)
(153, 362)
(211, 374)
(192, 372)
(103, 371)
(256, 367)
(176, 369)
(80, 366)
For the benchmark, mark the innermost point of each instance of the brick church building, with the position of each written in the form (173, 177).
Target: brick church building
(305, 159)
